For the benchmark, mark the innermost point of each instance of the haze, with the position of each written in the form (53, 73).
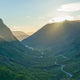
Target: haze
(30, 15)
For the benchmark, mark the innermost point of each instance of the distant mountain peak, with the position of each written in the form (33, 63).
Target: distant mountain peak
(20, 35)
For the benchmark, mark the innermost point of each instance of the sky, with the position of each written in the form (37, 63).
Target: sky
(31, 15)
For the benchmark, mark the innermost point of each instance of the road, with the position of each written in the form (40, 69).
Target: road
(68, 74)
(62, 67)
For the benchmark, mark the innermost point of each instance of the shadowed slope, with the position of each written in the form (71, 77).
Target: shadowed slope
(55, 35)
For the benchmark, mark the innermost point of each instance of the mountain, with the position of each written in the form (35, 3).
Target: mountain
(60, 46)
(12, 49)
(5, 33)
(30, 33)
(20, 35)
(24, 63)
(55, 36)
(18, 62)
(15, 59)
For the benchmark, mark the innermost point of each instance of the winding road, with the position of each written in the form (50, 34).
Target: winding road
(62, 68)
(68, 74)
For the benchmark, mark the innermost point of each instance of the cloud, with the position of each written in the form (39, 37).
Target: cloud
(61, 18)
(28, 16)
(42, 18)
(77, 17)
(71, 7)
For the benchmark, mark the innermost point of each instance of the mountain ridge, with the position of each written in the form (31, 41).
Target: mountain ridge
(51, 33)
(20, 35)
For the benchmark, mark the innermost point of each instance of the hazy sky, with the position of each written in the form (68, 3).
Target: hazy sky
(30, 15)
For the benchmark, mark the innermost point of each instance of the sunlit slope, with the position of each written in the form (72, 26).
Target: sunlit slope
(20, 35)
(5, 32)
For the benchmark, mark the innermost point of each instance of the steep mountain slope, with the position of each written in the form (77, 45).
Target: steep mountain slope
(20, 35)
(5, 33)
(55, 36)
(12, 49)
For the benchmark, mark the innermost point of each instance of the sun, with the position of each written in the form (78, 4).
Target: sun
(60, 19)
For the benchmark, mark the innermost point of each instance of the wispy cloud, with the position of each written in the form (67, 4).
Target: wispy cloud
(71, 7)
(42, 18)
(28, 16)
